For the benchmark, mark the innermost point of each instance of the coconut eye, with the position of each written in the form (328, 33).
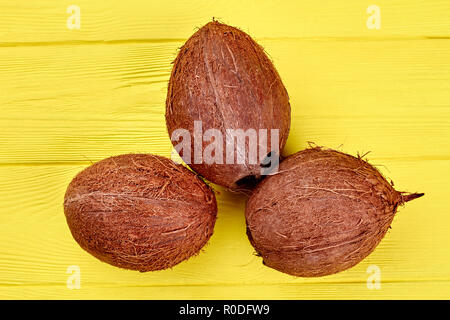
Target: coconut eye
(248, 182)
(266, 163)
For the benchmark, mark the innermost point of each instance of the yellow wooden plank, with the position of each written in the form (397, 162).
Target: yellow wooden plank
(85, 82)
(46, 20)
(389, 290)
(38, 248)
(73, 104)
(66, 141)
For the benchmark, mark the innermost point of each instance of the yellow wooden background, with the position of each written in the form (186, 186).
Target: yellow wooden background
(69, 97)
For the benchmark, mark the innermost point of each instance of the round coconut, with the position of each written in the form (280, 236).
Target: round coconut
(223, 80)
(323, 212)
(140, 211)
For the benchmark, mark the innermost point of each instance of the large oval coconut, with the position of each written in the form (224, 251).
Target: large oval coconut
(324, 212)
(140, 211)
(223, 80)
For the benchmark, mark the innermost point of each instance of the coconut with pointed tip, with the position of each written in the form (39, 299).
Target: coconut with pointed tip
(323, 212)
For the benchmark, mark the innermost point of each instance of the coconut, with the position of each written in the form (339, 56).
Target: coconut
(140, 211)
(224, 80)
(323, 212)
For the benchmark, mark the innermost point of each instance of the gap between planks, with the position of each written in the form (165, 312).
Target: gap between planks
(171, 40)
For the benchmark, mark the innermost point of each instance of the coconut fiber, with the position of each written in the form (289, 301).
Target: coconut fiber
(140, 211)
(224, 79)
(323, 212)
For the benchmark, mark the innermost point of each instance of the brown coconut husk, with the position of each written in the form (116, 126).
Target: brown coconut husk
(223, 78)
(324, 212)
(140, 211)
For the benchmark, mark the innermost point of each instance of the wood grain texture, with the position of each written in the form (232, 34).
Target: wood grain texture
(70, 97)
(44, 21)
(342, 290)
(110, 99)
